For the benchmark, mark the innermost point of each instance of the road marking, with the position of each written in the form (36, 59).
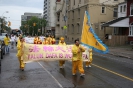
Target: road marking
(113, 72)
(51, 75)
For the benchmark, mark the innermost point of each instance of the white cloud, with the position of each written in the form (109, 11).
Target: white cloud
(17, 8)
(15, 13)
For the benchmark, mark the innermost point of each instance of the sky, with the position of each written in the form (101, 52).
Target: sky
(16, 8)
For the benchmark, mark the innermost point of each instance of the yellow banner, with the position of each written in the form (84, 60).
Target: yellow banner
(33, 52)
(89, 37)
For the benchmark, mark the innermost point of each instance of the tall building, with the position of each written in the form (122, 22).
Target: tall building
(61, 15)
(49, 15)
(28, 16)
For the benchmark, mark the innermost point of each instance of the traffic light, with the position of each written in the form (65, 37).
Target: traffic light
(9, 23)
(34, 24)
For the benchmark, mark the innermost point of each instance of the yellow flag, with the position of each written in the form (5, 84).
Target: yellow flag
(89, 38)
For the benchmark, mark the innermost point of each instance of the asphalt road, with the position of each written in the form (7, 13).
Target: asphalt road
(107, 71)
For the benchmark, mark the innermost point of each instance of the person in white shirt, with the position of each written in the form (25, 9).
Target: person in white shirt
(12, 41)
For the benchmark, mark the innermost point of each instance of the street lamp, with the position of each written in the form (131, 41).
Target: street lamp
(1, 21)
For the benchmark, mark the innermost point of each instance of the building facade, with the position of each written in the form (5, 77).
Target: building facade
(100, 12)
(28, 16)
(50, 16)
(61, 18)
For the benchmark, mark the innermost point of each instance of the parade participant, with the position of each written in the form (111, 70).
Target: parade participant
(39, 41)
(77, 62)
(6, 42)
(12, 41)
(49, 40)
(35, 40)
(19, 53)
(88, 63)
(62, 62)
(45, 42)
(53, 40)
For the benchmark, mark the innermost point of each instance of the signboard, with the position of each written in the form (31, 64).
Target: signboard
(33, 52)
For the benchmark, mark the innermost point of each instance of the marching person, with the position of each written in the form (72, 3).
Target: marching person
(35, 40)
(62, 62)
(77, 62)
(39, 41)
(12, 41)
(6, 42)
(88, 63)
(45, 42)
(19, 53)
(49, 40)
(53, 40)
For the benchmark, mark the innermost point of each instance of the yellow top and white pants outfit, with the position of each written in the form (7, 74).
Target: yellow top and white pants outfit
(77, 59)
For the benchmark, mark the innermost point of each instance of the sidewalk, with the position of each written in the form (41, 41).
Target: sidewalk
(122, 51)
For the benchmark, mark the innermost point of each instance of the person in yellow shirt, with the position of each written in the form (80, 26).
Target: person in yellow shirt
(19, 53)
(88, 63)
(39, 41)
(77, 62)
(62, 62)
(45, 42)
(53, 40)
(49, 40)
(6, 42)
(35, 40)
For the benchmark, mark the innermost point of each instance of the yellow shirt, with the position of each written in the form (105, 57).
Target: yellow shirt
(62, 43)
(45, 42)
(77, 56)
(19, 48)
(6, 40)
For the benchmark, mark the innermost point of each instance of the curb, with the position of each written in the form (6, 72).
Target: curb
(120, 55)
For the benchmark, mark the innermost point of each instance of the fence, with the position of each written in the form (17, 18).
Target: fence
(116, 40)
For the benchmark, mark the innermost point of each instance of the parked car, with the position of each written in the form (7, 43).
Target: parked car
(2, 46)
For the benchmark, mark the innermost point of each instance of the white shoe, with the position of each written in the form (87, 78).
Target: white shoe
(86, 66)
(73, 74)
(90, 66)
(82, 75)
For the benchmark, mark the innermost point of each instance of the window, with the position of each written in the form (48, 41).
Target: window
(131, 30)
(79, 12)
(131, 9)
(124, 10)
(103, 9)
(115, 12)
(73, 14)
(79, 1)
(78, 28)
(121, 9)
(72, 29)
(115, 31)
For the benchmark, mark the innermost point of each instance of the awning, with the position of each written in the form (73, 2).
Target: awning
(119, 22)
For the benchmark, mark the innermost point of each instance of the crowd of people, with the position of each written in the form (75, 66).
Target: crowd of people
(77, 50)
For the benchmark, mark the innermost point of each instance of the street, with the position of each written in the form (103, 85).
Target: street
(107, 71)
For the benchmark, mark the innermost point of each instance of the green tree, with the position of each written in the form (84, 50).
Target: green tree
(31, 26)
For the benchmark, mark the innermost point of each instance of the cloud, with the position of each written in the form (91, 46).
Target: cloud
(15, 13)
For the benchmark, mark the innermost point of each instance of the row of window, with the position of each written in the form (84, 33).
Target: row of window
(78, 29)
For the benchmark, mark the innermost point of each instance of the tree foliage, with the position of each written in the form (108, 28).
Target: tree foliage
(28, 26)
(4, 26)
